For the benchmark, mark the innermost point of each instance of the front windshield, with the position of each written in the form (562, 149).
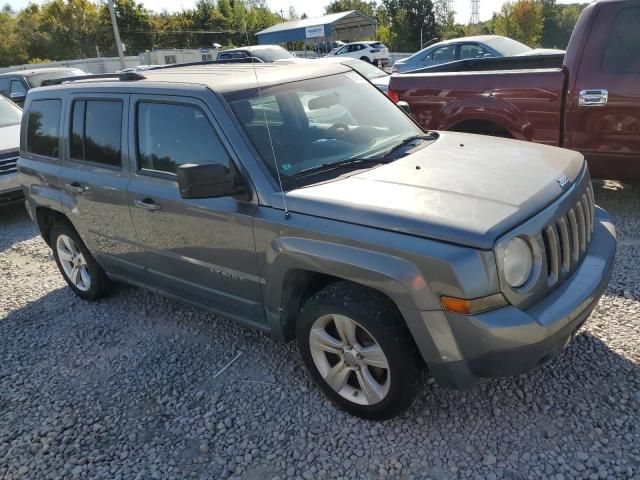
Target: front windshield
(320, 121)
(9, 113)
(271, 54)
(36, 79)
(507, 47)
(367, 70)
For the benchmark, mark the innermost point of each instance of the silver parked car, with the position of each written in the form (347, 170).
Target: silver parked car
(10, 118)
(480, 46)
(315, 209)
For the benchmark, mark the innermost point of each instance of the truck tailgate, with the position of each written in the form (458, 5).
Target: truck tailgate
(527, 103)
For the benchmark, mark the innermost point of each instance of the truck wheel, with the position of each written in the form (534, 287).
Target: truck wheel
(355, 345)
(78, 267)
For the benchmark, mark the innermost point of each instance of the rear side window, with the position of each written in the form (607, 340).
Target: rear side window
(43, 127)
(443, 54)
(170, 135)
(96, 131)
(621, 54)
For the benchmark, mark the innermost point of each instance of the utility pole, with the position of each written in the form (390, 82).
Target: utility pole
(116, 33)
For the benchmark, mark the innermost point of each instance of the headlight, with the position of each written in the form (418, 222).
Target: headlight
(517, 262)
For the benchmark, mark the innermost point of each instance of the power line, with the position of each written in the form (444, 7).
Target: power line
(475, 12)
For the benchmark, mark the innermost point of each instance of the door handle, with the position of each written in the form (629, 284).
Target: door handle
(593, 97)
(75, 187)
(147, 204)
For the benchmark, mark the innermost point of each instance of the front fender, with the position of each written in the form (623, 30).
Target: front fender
(400, 280)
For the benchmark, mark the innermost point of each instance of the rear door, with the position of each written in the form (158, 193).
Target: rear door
(202, 250)
(605, 102)
(95, 176)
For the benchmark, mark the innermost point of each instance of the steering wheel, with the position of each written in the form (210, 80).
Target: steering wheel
(338, 130)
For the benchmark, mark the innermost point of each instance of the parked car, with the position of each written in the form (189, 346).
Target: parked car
(372, 52)
(479, 46)
(380, 248)
(375, 75)
(10, 117)
(323, 48)
(587, 100)
(264, 53)
(15, 85)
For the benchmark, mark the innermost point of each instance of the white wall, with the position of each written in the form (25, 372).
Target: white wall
(89, 65)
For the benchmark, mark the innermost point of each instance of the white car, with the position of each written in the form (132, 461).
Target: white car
(372, 52)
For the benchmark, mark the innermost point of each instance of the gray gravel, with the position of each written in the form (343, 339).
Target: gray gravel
(125, 389)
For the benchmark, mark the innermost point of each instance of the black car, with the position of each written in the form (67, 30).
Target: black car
(15, 85)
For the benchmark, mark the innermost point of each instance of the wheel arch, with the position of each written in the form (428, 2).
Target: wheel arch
(482, 127)
(46, 218)
(297, 268)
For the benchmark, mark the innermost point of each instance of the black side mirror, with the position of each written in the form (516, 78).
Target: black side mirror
(404, 106)
(208, 180)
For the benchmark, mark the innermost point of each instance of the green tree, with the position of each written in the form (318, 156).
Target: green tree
(522, 20)
(408, 19)
(362, 6)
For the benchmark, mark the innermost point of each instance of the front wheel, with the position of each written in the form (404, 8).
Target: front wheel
(357, 349)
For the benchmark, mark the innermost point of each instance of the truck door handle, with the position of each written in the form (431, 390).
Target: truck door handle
(147, 204)
(593, 97)
(75, 187)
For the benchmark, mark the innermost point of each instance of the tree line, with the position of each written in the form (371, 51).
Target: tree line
(69, 29)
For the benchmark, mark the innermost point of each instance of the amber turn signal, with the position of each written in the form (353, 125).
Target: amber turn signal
(476, 305)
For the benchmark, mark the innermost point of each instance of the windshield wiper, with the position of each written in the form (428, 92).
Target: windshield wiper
(405, 142)
(330, 166)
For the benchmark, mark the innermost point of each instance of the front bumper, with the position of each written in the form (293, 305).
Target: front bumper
(462, 350)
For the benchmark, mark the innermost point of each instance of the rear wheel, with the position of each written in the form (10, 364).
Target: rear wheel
(78, 267)
(365, 59)
(357, 349)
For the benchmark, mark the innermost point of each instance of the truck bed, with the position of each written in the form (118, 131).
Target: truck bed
(496, 64)
(526, 103)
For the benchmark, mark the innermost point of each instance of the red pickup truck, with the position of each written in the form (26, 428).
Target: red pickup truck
(587, 100)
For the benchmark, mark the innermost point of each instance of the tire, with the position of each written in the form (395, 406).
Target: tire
(325, 318)
(365, 59)
(91, 281)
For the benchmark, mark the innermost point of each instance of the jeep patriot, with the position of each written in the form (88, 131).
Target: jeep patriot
(301, 201)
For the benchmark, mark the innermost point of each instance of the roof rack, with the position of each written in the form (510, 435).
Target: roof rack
(125, 77)
(207, 62)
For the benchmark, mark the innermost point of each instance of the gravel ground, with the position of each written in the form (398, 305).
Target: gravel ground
(126, 388)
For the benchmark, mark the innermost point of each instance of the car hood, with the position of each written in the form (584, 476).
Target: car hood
(9, 138)
(465, 189)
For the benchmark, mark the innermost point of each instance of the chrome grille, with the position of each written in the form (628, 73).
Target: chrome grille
(567, 238)
(8, 163)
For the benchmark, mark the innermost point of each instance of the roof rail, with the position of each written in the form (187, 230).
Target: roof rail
(127, 76)
(208, 62)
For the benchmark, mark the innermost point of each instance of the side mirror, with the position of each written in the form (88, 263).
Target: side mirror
(17, 97)
(404, 106)
(208, 180)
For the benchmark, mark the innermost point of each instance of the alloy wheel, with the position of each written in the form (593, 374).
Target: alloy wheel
(350, 359)
(73, 263)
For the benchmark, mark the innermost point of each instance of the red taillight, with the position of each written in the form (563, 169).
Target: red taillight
(393, 95)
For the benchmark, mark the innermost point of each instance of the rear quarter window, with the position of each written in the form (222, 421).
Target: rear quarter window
(43, 127)
(622, 52)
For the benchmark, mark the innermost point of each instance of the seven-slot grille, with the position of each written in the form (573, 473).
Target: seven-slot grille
(8, 163)
(567, 238)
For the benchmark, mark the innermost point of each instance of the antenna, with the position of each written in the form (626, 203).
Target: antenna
(475, 12)
(266, 121)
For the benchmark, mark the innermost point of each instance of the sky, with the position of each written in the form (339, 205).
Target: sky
(313, 8)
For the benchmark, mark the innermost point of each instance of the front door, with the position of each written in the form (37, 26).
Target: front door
(198, 249)
(605, 116)
(95, 176)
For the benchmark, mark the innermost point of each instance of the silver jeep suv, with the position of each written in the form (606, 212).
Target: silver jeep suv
(301, 201)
